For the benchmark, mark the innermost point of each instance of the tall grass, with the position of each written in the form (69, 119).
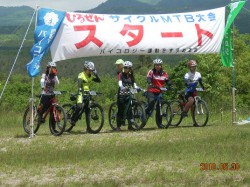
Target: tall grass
(150, 157)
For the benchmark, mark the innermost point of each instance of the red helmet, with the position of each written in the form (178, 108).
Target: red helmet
(192, 63)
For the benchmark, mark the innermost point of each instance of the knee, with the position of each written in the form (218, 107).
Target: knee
(191, 100)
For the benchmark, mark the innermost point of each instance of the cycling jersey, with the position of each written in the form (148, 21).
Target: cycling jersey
(125, 81)
(48, 83)
(158, 79)
(192, 80)
(86, 80)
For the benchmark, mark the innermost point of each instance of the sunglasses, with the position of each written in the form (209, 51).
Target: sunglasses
(126, 67)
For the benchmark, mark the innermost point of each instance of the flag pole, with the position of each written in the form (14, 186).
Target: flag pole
(233, 78)
(32, 97)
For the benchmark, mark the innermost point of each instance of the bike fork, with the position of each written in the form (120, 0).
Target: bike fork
(132, 110)
(160, 109)
(56, 114)
(198, 110)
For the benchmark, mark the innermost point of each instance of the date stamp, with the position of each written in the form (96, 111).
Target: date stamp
(220, 166)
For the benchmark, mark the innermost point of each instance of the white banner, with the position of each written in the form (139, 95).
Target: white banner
(84, 34)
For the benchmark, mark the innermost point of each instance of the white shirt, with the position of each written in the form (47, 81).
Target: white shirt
(192, 77)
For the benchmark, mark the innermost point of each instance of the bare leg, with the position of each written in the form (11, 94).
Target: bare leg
(189, 104)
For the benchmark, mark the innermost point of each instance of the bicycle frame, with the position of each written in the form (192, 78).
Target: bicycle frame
(57, 116)
(198, 108)
(196, 100)
(89, 99)
(131, 101)
(53, 102)
(158, 100)
(93, 111)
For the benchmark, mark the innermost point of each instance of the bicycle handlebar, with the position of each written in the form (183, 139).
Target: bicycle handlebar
(85, 93)
(136, 90)
(59, 92)
(163, 89)
(199, 89)
(91, 92)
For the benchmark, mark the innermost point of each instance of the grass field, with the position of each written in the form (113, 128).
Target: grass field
(215, 155)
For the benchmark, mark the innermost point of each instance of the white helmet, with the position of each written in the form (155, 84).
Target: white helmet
(157, 61)
(51, 64)
(89, 65)
(128, 64)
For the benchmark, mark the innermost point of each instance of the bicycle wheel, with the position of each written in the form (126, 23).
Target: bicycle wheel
(139, 116)
(163, 121)
(113, 110)
(95, 119)
(27, 120)
(58, 120)
(69, 110)
(177, 110)
(200, 113)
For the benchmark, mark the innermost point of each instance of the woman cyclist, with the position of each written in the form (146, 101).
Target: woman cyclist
(48, 81)
(192, 78)
(84, 80)
(156, 79)
(126, 80)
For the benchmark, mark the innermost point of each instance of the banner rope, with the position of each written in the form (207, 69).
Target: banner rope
(246, 9)
(24, 38)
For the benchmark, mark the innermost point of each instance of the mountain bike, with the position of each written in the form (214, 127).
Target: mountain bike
(199, 112)
(163, 115)
(136, 108)
(95, 117)
(57, 117)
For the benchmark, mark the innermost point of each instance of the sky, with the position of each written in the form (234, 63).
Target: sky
(67, 5)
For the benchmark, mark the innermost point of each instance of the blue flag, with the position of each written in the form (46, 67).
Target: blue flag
(48, 24)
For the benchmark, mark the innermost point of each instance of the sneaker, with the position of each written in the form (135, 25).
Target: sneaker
(184, 114)
(41, 119)
(88, 130)
(118, 129)
(130, 128)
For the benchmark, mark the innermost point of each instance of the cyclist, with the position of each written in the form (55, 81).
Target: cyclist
(84, 80)
(119, 65)
(156, 79)
(126, 80)
(48, 81)
(192, 78)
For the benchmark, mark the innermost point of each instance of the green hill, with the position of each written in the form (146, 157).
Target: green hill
(170, 6)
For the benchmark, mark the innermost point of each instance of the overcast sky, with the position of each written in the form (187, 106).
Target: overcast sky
(67, 5)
